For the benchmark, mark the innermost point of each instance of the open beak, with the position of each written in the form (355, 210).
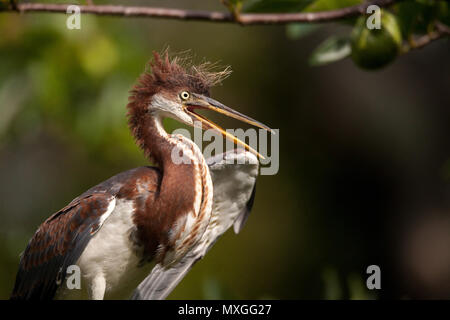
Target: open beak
(202, 102)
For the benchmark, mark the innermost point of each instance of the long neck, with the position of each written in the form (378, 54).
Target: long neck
(185, 190)
(155, 141)
(181, 162)
(167, 150)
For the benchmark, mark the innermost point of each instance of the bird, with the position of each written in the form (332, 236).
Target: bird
(137, 234)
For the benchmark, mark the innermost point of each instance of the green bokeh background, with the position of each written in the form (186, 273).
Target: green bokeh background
(364, 156)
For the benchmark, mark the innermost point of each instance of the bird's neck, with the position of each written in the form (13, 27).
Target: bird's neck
(155, 141)
(185, 190)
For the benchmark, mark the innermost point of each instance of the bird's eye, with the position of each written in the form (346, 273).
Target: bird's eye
(184, 95)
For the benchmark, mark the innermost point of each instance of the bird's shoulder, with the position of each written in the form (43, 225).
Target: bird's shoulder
(60, 239)
(122, 185)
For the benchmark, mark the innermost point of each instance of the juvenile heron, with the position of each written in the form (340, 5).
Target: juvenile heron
(147, 227)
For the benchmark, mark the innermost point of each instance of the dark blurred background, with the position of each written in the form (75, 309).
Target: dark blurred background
(364, 156)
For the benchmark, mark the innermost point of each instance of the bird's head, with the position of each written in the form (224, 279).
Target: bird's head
(172, 89)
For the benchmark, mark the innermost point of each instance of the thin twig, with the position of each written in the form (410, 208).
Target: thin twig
(213, 16)
(420, 42)
(442, 28)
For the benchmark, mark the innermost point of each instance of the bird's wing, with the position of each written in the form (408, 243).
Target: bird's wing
(244, 213)
(58, 243)
(234, 176)
(162, 280)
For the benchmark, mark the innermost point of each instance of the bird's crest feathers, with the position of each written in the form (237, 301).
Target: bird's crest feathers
(166, 73)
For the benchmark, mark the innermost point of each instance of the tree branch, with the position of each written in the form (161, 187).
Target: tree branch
(212, 16)
(420, 42)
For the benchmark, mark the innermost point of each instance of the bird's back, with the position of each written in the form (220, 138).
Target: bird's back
(96, 226)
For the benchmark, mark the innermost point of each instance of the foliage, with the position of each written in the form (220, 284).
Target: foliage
(331, 50)
(373, 49)
(413, 18)
(353, 162)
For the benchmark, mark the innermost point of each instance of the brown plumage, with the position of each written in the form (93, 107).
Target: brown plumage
(145, 214)
(166, 77)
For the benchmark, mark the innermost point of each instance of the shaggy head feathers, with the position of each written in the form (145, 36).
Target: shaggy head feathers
(173, 75)
(168, 76)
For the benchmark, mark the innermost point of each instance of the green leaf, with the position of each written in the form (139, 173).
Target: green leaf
(331, 50)
(416, 16)
(276, 6)
(325, 5)
(443, 9)
(298, 30)
(298, 5)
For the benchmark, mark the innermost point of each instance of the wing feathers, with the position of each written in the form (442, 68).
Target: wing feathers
(161, 281)
(58, 243)
(243, 215)
(234, 175)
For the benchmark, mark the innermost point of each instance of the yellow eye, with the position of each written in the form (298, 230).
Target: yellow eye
(184, 95)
